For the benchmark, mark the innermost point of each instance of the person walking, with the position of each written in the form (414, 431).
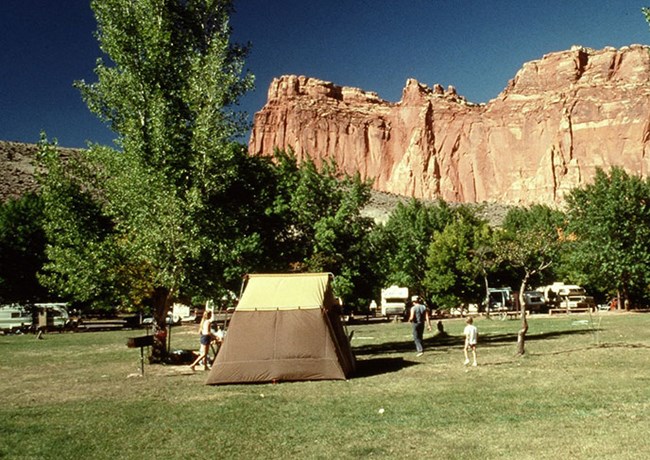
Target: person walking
(471, 338)
(419, 314)
(205, 329)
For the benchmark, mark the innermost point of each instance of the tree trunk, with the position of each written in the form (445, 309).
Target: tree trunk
(161, 302)
(487, 295)
(626, 298)
(521, 335)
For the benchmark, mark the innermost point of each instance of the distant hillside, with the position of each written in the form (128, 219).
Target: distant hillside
(16, 169)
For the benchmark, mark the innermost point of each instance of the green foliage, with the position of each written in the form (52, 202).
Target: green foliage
(404, 241)
(164, 213)
(84, 262)
(455, 261)
(610, 223)
(539, 218)
(531, 240)
(322, 228)
(22, 249)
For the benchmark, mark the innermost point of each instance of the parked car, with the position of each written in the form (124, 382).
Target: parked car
(535, 302)
(148, 321)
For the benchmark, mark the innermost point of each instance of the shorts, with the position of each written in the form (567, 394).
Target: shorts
(206, 339)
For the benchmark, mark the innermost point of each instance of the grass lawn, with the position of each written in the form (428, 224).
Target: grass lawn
(577, 393)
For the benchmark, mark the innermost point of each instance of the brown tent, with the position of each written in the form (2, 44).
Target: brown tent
(285, 327)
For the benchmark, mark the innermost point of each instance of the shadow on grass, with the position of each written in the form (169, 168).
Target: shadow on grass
(442, 341)
(377, 366)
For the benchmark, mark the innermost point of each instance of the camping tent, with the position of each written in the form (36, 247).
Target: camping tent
(285, 327)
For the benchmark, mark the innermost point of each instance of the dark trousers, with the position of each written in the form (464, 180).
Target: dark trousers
(418, 333)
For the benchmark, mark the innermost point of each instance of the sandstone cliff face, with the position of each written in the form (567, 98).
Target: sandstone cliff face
(557, 120)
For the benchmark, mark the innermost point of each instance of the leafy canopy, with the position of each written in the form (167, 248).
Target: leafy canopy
(404, 240)
(610, 221)
(454, 261)
(22, 249)
(162, 201)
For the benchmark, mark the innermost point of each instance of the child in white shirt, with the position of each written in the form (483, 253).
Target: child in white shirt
(471, 337)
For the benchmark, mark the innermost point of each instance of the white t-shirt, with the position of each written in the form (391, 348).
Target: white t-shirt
(205, 327)
(471, 333)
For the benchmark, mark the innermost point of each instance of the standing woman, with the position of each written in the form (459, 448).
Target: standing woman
(205, 329)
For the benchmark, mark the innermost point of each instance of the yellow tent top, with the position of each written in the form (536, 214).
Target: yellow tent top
(281, 292)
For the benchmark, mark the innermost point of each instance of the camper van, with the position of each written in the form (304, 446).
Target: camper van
(14, 318)
(393, 301)
(52, 315)
(567, 296)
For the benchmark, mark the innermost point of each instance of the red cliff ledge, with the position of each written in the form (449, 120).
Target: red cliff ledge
(557, 120)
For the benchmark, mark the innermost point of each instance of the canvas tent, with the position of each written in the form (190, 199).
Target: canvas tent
(285, 327)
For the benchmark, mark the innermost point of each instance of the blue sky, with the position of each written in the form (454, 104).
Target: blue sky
(376, 45)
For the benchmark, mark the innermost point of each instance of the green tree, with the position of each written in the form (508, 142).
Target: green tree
(80, 253)
(610, 223)
(164, 199)
(22, 249)
(455, 262)
(404, 240)
(322, 228)
(529, 241)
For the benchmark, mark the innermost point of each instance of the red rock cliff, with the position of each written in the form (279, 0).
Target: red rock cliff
(556, 121)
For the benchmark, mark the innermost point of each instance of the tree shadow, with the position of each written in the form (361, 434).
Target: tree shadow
(442, 341)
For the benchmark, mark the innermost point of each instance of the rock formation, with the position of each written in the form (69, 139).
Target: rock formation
(556, 121)
(16, 169)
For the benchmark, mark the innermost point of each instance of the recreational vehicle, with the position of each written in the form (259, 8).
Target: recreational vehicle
(14, 318)
(52, 315)
(394, 300)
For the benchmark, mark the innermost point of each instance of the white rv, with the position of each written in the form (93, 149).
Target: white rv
(52, 315)
(394, 300)
(567, 295)
(14, 318)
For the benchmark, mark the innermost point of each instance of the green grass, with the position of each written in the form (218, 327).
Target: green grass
(575, 394)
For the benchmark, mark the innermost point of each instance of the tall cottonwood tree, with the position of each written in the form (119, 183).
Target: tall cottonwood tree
(163, 196)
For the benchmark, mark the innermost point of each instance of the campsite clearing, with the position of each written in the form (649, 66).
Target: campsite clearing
(578, 393)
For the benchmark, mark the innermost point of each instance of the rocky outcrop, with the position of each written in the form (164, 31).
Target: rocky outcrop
(16, 169)
(556, 121)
